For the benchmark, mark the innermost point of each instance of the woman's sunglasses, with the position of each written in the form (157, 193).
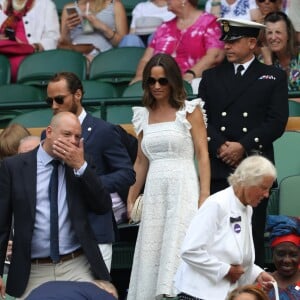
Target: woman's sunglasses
(58, 99)
(261, 1)
(161, 81)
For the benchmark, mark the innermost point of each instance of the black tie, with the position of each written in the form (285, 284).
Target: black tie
(239, 70)
(53, 196)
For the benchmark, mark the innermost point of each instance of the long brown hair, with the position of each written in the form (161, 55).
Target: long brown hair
(292, 47)
(173, 74)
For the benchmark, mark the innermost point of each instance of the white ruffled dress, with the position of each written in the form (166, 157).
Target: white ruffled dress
(169, 203)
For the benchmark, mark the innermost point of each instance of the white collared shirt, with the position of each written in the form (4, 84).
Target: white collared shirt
(245, 65)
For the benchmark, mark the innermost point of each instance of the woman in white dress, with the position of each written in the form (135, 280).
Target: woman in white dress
(170, 132)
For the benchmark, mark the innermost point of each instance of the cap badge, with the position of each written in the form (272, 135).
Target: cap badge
(226, 26)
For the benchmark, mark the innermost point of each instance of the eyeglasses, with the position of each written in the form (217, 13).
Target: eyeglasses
(161, 81)
(261, 1)
(58, 99)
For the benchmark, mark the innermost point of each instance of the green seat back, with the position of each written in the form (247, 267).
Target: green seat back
(4, 70)
(38, 68)
(119, 114)
(201, 4)
(117, 66)
(286, 151)
(96, 91)
(60, 5)
(17, 94)
(34, 118)
(134, 90)
(129, 6)
(294, 108)
(289, 191)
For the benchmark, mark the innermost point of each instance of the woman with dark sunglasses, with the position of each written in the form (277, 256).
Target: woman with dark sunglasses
(265, 7)
(171, 131)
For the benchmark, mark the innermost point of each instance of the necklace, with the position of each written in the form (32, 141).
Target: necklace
(174, 53)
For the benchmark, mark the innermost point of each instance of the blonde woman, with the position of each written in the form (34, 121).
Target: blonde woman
(102, 23)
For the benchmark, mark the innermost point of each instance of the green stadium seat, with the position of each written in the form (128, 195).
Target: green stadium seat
(37, 68)
(60, 5)
(116, 66)
(286, 151)
(289, 191)
(34, 118)
(94, 93)
(4, 70)
(133, 90)
(294, 108)
(17, 96)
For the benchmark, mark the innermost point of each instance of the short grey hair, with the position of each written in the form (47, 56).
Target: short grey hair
(251, 171)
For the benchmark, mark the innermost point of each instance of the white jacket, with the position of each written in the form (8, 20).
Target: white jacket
(211, 246)
(41, 23)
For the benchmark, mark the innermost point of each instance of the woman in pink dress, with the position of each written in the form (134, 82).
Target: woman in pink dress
(192, 38)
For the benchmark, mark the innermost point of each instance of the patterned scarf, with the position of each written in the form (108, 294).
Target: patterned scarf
(13, 16)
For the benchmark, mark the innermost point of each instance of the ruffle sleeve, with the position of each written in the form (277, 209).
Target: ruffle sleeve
(190, 107)
(139, 118)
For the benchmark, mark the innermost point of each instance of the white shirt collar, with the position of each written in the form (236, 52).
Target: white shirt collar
(82, 115)
(245, 65)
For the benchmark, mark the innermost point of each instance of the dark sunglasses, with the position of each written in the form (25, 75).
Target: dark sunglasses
(161, 81)
(261, 1)
(58, 99)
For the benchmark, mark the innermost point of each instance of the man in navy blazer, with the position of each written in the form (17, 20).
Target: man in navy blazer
(246, 111)
(24, 182)
(103, 143)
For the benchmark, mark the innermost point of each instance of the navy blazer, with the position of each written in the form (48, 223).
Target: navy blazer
(103, 143)
(252, 110)
(18, 181)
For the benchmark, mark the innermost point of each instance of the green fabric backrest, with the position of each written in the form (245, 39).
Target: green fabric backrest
(38, 68)
(94, 90)
(18, 93)
(34, 118)
(4, 70)
(134, 90)
(289, 193)
(116, 65)
(287, 157)
(60, 5)
(294, 108)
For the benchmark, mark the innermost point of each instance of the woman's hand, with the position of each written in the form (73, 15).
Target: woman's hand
(73, 20)
(265, 279)
(234, 273)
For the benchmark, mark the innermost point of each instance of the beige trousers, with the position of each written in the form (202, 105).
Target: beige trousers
(77, 269)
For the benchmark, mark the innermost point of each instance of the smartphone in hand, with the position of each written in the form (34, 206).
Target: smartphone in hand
(71, 10)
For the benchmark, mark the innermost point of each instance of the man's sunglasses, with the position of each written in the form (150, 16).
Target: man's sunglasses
(161, 81)
(261, 1)
(58, 99)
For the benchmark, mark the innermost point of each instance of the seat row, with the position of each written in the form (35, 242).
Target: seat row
(117, 65)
